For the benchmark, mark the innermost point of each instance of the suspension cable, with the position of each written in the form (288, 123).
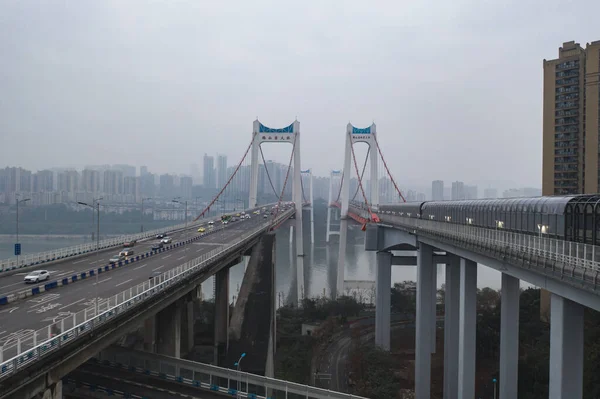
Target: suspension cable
(362, 173)
(360, 182)
(287, 175)
(267, 170)
(387, 169)
(230, 179)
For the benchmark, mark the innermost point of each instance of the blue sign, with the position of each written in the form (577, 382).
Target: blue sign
(17, 249)
(358, 130)
(264, 129)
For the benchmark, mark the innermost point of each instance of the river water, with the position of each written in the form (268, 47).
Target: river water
(319, 264)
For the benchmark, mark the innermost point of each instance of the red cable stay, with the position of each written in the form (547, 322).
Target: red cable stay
(287, 175)
(387, 169)
(228, 181)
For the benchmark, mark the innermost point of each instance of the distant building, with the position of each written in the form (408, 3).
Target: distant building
(131, 186)
(209, 172)
(421, 197)
(143, 170)
(185, 187)
(167, 186)
(471, 192)
(437, 190)
(43, 181)
(221, 171)
(126, 170)
(458, 190)
(113, 182)
(90, 181)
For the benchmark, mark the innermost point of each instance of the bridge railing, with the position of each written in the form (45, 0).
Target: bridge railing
(22, 349)
(61, 253)
(211, 377)
(573, 259)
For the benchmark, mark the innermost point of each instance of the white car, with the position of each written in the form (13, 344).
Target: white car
(166, 240)
(37, 276)
(211, 223)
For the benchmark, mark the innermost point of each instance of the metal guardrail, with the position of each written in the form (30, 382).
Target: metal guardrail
(206, 375)
(61, 253)
(27, 347)
(575, 260)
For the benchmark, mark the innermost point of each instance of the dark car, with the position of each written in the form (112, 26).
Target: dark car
(160, 236)
(154, 274)
(129, 244)
(157, 246)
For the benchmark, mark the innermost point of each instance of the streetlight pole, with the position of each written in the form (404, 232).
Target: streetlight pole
(237, 364)
(142, 217)
(19, 251)
(495, 381)
(96, 205)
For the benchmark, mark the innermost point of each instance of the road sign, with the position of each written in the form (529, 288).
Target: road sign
(17, 249)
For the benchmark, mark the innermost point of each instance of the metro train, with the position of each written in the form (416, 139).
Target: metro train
(571, 218)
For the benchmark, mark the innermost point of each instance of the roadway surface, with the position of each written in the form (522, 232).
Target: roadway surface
(23, 317)
(133, 383)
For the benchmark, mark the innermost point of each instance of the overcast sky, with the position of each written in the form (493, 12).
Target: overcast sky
(455, 87)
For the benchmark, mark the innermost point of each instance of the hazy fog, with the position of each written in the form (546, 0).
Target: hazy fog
(454, 87)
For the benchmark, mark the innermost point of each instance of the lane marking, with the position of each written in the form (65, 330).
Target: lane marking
(181, 258)
(139, 267)
(124, 282)
(66, 306)
(102, 281)
(158, 268)
(167, 256)
(2, 332)
(9, 311)
(62, 274)
(79, 261)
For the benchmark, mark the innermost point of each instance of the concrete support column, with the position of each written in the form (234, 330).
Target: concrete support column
(566, 349)
(434, 307)
(169, 330)
(187, 331)
(382, 307)
(341, 270)
(57, 391)
(423, 330)
(509, 337)
(451, 327)
(221, 313)
(467, 329)
(150, 334)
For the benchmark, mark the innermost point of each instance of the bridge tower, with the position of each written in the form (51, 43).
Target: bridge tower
(358, 135)
(308, 174)
(335, 182)
(290, 135)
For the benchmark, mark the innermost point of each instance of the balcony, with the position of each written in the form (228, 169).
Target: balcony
(563, 82)
(567, 65)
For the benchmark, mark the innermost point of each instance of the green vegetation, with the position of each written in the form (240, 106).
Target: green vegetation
(295, 351)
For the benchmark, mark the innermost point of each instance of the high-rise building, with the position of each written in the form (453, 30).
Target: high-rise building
(68, 181)
(471, 192)
(209, 172)
(143, 170)
(43, 181)
(185, 187)
(221, 170)
(437, 190)
(458, 190)
(571, 120)
(167, 186)
(113, 182)
(131, 186)
(90, 181)
(126, 170)
(195, 173)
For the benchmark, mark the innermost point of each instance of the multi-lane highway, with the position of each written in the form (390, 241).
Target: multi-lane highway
(21, 318)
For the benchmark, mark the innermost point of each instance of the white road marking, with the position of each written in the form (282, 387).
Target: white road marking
(9, 311)
(41, 300)
(139, 267)
(79, 261)
(62, 274)
(10, 285)
(102, 281)
(82, 299)
(165, 257)
(158, 268)
(2, 332)
(21, 274)
(124, 282)
(181, 258)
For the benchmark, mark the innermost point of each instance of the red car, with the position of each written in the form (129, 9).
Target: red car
(129, 244)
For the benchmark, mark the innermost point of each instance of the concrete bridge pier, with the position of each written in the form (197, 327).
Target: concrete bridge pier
(467, 329)
(168, 322)
(566, 348)
(509, 337)
(221, 313)
(423, 346)
(53, 392)
(451, 330)
(383, 285)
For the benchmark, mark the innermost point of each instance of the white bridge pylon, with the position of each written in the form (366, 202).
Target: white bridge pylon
(335, 180)
(289, 135)
(360, 135)
(308, 175)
